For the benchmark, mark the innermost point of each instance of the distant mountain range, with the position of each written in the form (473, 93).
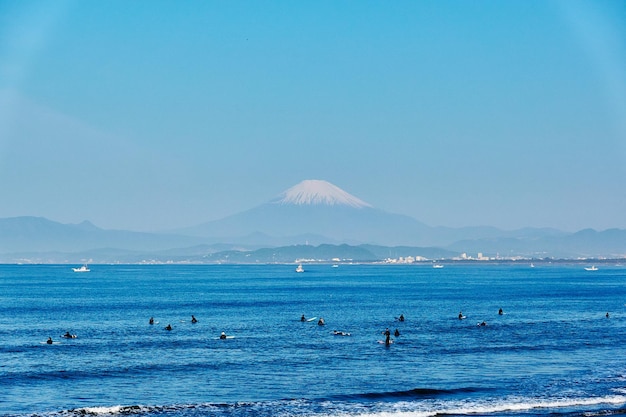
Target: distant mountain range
(312, 219)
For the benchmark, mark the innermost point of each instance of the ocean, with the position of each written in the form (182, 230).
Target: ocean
(553, 351)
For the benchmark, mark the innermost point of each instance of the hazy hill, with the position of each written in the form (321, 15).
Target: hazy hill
(37, 234)
(325, 253)
(341, 224)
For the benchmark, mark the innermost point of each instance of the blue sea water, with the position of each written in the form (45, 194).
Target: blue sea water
(552, 352)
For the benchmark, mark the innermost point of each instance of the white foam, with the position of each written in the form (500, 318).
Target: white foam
(109, 410)
(102, 410)
(429, 409)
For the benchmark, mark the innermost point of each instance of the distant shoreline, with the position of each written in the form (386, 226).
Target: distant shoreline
(423, 264)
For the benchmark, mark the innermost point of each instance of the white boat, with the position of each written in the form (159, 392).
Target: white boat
(437, 266)
(335, 266)
(299, 268)
(593, 268)
(83, 268)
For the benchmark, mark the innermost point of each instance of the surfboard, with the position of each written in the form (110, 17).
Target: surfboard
(382, 342)
(311, 319)
(53, 343)
(462, 317)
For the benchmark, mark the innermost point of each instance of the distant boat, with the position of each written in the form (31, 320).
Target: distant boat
(335, 266)
(532, 265)
(299, 268)
(437, 266)
(593, 268)
(83, 268)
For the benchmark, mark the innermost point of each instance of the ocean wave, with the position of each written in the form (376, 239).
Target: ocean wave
(508, 406)
(414, 403)
(418, 393)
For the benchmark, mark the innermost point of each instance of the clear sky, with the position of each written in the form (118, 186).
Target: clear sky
(151, 115)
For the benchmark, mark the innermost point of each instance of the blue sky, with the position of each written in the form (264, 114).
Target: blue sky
(151, 115)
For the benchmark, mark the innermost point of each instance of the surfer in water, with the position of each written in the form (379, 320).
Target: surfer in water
(401, 318)
(303, 318)
(500, 312)
(396, 333)
(168, 327)
(151, 320)
(49, 341)
(223, 336)
(193, 319)
(321, 322)
(67, 335)
(387, 334)
(460, 315)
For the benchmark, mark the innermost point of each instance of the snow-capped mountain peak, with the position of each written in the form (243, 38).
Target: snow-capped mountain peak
(314, 192)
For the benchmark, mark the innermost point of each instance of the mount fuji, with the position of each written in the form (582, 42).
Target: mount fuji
(318, 192)
(315, 211)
